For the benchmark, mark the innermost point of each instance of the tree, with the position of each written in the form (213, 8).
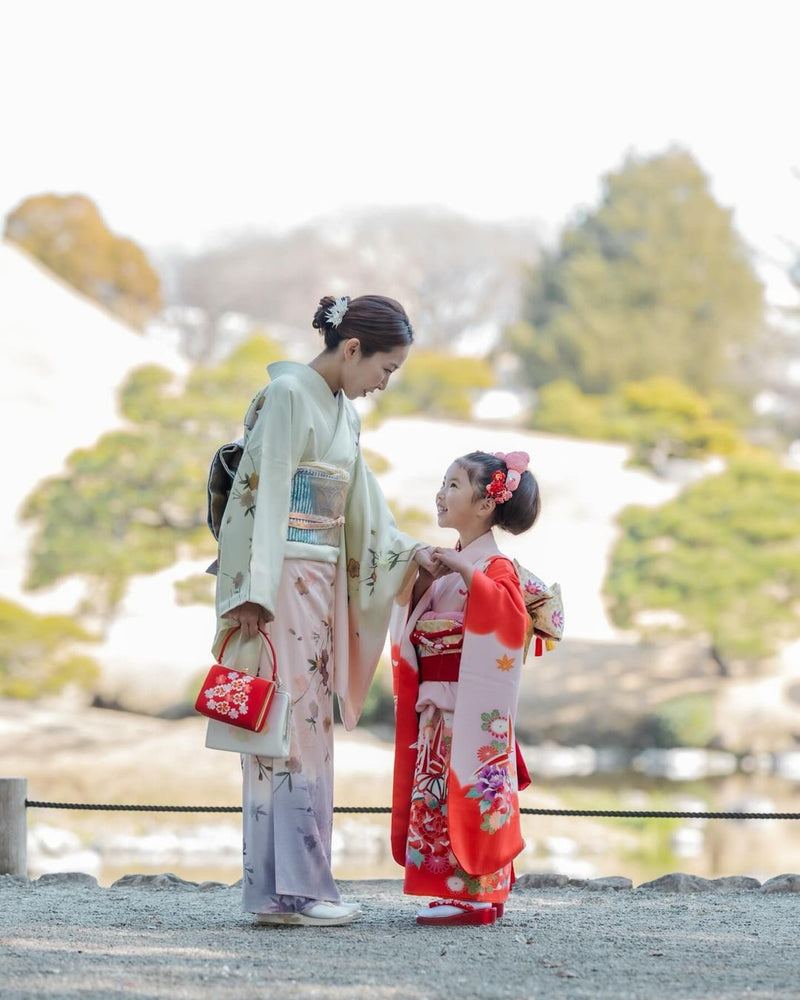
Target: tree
(660, 417)
(654, 281)
(38, 655)
(136, 500)
(68, 235)
(437, 385)
(722, 560)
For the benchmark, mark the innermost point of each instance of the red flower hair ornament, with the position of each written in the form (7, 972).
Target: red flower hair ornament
(503, 484)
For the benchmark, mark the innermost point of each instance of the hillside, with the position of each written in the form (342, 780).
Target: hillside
(64, 359)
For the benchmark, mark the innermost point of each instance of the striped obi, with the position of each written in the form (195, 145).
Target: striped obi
(437, 638)
(316, 505)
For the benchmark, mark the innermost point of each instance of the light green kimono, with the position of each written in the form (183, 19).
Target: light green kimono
(297, 421)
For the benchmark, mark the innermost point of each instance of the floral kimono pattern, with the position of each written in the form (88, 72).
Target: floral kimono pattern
(307, 534)
(455, 809)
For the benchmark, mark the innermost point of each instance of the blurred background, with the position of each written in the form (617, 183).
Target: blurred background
(592, 216)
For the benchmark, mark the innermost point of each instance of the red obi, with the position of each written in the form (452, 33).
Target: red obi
(437, 638)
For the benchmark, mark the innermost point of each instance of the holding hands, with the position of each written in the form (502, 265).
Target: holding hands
(435, 562)
(452, 561)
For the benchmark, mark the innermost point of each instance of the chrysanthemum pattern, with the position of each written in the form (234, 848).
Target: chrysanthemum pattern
(493, 780)
(435, 868)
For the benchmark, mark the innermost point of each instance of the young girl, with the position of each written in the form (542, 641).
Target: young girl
(457, 659)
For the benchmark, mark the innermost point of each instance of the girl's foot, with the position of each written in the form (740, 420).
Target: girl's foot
(456, 912)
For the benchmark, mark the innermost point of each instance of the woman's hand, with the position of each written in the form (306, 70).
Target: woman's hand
(251, 617)
(423, 558)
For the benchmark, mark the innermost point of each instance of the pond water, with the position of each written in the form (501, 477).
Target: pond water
(199, 848)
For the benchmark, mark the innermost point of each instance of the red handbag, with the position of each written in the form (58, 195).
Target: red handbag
(237, 698)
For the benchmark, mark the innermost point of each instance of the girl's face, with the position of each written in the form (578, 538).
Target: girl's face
(362, 375)
(456, 505)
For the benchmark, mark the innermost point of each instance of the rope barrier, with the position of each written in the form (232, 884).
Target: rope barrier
(610, 813)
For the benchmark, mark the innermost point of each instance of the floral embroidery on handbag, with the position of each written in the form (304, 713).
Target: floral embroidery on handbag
(231, 696)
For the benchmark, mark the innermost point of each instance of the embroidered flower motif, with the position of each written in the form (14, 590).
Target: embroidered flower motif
(437, 863)
(498, 728)
(493, 821)
(300, 586)
(455, 884)
(247, 499)
(505, 662)
(493, 789)
(229, 698)
(491, 780)
(353, 568)
(557, 618)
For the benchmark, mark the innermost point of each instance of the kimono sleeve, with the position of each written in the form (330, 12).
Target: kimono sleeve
(254, 529)
(379, 563)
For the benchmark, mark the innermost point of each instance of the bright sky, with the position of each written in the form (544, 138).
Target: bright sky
(183, 119)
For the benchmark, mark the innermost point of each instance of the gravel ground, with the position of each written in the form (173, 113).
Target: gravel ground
(68, 939)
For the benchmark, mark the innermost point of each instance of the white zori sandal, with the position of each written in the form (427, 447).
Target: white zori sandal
(316, 915)
(456, 913)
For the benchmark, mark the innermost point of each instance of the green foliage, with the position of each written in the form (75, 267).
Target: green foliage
(379, 704)
(654, 281)
(436, 384)
(68, 235)
(563, 409)
(659, 416)
(412, 520)
(37, 653)
(723, 556)
(136, 501)
(378, 463)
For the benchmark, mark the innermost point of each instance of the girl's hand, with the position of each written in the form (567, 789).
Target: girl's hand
(451, 561)
(251, 617)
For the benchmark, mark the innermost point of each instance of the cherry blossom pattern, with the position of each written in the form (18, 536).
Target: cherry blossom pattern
(230, 698)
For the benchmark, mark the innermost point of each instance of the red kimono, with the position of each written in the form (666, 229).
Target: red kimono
(457, 659)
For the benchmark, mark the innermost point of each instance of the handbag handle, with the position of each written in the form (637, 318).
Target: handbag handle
(267, 642)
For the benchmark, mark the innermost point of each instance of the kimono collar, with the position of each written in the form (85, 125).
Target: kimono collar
(481, 549)
(310, 379)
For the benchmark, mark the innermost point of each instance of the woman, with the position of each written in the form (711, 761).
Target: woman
(310, 553)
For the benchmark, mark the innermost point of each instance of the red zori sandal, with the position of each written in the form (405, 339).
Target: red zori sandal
(456, 912)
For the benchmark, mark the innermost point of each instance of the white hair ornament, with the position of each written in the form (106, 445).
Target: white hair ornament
(335, 314)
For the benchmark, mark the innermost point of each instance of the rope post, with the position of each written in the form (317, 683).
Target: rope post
(13, 827)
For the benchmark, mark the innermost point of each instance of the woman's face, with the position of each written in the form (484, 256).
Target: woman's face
(362, 375)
